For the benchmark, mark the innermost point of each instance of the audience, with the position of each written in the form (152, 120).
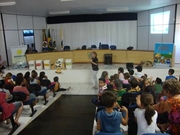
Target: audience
(2, 89)
(57, 86)
(134, 86)
(109, 119)
(145, 115)
(24, 83)
(131, 72)
(158, 85)
(126, 78)
(121, 73)
(9, 82)
(170, 74)
(105, 75)
(139, 73)
(27, 77)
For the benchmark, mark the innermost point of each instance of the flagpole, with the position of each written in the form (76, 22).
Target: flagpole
(61, 42)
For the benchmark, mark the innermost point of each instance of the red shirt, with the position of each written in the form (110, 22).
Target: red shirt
(7, 108)
(22, 89)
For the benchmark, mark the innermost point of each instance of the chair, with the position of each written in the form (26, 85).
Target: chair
(21, 96)
(127, 86)
(36, 89)
(104, 46)
(104, 133)
(66, 48)
(130, 48)
(14, 125)
(84, 47)
(113, 47)
(155, 134)
(93, 47)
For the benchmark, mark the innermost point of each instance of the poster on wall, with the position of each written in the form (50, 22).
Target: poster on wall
(18, 56)
(163, 54)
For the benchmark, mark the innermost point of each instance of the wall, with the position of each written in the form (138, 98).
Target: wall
(14, 24)
(146, 40)
(119, 33)
(177, 35)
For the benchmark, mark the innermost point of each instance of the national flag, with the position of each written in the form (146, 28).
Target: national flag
(61, 36)
(49, 40)
(53, 38)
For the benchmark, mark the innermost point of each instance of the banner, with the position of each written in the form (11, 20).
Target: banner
(61, 37)
(18, 56)
(163, 54)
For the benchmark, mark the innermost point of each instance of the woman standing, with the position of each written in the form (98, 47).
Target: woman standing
(95, 68)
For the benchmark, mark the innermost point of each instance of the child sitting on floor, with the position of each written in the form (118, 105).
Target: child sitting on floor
(121, 73)
(170, 74)
(158, 85)
(105, 75)
(57, 86)
(109, 119)
(126, 78)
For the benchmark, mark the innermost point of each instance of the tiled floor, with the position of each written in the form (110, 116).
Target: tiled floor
(77, 89)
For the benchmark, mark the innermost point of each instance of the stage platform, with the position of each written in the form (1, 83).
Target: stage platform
(82, 73)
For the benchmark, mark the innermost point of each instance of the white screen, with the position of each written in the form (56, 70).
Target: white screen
(160, 22)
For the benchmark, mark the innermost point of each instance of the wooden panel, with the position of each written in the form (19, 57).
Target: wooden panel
(81, 56)
(100, 54)
(52, 56)
(119, 56)
(138, 56)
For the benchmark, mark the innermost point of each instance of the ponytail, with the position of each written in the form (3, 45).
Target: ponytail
(149, 113)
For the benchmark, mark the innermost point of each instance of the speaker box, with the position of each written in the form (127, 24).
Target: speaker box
(129, 65)
(108, 59)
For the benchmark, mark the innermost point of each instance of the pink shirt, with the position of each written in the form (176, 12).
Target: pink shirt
(125, 82)
(22, 89)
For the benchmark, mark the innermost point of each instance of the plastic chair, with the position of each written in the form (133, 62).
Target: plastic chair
(66, 48)
(113, 47)
(155, 134)
(36, 89)
(127, 86)
(104, 133)
(84, 47)
(14, 125)
(21, 96)
(93, 47)
(104, 46)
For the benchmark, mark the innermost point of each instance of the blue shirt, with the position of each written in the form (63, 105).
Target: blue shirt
(170, 76)
(110, 122)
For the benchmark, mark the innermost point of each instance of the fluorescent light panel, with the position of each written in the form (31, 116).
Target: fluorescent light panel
(118, 9)
(59, 12)
(7, 3)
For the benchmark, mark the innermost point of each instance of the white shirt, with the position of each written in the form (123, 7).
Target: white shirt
(139, 74)
(143, 127)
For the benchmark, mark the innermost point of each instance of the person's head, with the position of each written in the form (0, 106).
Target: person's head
(33, 71)
(147, 101)
(42, 74)
(19, 75)
(131, 72)
(158, 80)
(34, 75)
(2, 83)
(134, 83)
(104, 74)
(102, 82)
(116, 76)
(120, 70)
(171, 71)
(149, 89)
(19, 80)
(9, 75)
(147, 82)
(139, 68)
(94, 54)
(171, 87)
(56, 79)
(109, 99)
(126, 76)
(112, 78)
(118, 84)
(27, 74)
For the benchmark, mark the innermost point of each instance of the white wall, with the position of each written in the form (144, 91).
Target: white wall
(146, 41)
(119, 33)
(177, 36)
(14, 26)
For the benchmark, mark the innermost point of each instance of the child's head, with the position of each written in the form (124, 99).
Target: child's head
(146, 102)
(102, 82)
(139, 68)
(147, 82)
(120, 70)
(56, 79)
(19, 75)
(94, 54)
(118, 84)
(158, 80)
(126, 76)
(134, 83)
(112, 78)
(9, 75)
(27, 74)
(19, 80)
(34, 75)
(171, 71)
(109, 99)
(116, 76)
(104, 74)
(131, 72)
(2, 83)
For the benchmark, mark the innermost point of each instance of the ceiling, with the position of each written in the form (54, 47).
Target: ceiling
(43, 7)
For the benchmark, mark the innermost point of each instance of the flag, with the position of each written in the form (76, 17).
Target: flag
(61, 36)
(44, 39)
(53, 39)
(50, 40)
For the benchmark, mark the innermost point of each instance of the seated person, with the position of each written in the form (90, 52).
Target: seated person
(27, 77)
(57, 86)
(134, 86)
(42, 77)
(158, 85)
(126, 78)
(24, 83)
(131, 72)
(9, 96)
(9, 109)
(9, 82)
(170, 74)
(109, 119)
(105, 75)
(2, 63)
(121, 73)
(20, 88)
(139, 73)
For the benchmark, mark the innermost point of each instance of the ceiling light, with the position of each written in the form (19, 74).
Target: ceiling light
(118, 9)
(59, 12)
(7, 3)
